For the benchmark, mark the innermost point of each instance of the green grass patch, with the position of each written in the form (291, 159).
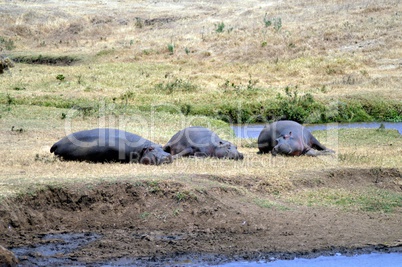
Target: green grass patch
(268, 204)
(373, 200)
(46, 59)
(177, 85)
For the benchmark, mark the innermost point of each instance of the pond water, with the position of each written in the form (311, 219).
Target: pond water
(366, 260)
(253, 130)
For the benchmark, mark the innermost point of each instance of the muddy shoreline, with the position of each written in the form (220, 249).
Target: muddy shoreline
(29, 256)
(152, 226)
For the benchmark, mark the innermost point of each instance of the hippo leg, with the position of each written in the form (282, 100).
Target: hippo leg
(316, 144)
(315, 153)
(186, 152)
(200, 155)
(311, 153)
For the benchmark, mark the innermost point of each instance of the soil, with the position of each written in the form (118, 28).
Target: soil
(153, 223)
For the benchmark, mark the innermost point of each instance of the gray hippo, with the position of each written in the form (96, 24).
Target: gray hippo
(110, 145)
(289, 138)
(201, 142)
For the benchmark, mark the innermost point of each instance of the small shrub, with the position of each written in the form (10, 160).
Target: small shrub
(267, 21)
(275, 22)
(10, 100)
(5, 64)
(171, 48)
(181, 196)
(139, 23)
(297, 108)
(60, 77)
(7, 44)
(178, 85)
(219, 27)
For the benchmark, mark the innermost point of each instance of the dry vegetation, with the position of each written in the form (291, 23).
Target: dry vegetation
(119, 63)
(155, 67)
(211, 58)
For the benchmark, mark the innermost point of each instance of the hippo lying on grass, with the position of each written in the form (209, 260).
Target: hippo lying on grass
(201, 142)
(289, 138)
(110, 145)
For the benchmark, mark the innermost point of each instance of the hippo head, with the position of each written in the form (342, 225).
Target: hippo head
(154, 155)
(227, 150)
(287, 145)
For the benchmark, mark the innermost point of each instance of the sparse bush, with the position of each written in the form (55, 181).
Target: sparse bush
(267, 21)
(60, 77)
(46, 59)
(187, 51)
(171, 48)
(5, 64)
(139, 23)
(275, 22)
(178, 85)
(7, 44)
(219, 27)
(297, 108)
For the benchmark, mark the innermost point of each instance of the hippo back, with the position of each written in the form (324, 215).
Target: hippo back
(200, 141)
(288, 137)
(103, 145)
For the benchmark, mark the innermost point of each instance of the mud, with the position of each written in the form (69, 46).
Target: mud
(147, 224)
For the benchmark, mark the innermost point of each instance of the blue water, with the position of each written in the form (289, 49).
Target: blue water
(365, 260)
(253, 130)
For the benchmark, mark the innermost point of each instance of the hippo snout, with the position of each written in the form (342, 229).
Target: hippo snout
(239, 156)
(234, 155)
(282, 149)
(167, 159)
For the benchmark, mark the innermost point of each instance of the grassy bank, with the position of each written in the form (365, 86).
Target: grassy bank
(365, 169)
(132, 86)
(255, 62)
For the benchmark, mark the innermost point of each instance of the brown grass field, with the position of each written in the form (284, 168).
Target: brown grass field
(127, 55)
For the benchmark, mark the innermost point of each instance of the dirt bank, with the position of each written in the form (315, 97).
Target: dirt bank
(154, 221)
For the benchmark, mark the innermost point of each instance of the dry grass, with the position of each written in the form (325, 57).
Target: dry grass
(331, 49)
(351, 48)
(26, 160)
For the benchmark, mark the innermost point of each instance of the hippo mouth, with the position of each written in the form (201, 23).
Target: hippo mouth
(238, 156)
(282, 149)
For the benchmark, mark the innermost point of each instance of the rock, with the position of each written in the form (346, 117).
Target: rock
(7, 258)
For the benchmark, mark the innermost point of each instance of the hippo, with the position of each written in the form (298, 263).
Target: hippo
(201, 142)
(289, 138)
(110, 145)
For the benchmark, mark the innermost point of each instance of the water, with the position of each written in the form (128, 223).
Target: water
(365, 260)
(253, 130)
